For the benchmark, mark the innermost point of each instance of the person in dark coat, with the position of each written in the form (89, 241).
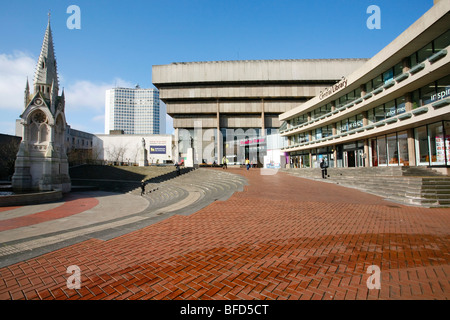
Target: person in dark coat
(142, 187)
(324, 167)
(177, 165)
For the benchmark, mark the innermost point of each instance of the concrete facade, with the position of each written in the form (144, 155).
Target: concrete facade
(212, 97)
(391, 111)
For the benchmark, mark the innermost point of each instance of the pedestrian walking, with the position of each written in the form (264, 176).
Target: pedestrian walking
(224, 163)
(177, 165)
(247, 163)
(324, 167)
(143, 187)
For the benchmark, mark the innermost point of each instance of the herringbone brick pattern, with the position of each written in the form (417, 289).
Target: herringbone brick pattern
(281, 238)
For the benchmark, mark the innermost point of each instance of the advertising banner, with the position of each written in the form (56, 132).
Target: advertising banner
(157, 149)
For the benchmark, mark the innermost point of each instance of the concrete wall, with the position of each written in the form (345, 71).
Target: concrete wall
(253, 70)
(125, 148)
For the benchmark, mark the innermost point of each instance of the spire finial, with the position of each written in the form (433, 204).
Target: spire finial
(49, 14)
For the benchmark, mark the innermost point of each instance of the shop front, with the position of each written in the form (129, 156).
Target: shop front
(350, 155)
(432, 144)
(431, 147)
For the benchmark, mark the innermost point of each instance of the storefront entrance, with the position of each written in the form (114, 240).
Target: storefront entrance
(353, 154)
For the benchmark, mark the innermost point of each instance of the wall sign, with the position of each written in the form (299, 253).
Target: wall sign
(334, 88)
(157, 149)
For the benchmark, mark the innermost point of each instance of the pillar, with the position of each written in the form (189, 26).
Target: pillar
(218, 138)
(411, 148)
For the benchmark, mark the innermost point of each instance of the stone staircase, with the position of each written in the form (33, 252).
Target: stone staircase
(191, 191)
(419, 186)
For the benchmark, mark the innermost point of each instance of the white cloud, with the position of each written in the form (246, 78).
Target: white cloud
(88, 95)
(14, 70)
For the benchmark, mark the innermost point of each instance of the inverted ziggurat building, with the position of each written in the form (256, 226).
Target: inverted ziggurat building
(394, 110)
(231, 107)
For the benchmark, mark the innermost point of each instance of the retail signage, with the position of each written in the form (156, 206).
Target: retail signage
(251, 141)
(334, 88)
(441, 94)
(158, 149)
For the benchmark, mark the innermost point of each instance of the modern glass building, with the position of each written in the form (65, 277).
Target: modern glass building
(392, 111)
(133, 110)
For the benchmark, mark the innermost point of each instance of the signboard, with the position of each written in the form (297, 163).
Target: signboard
(157, 149)
(334, 88)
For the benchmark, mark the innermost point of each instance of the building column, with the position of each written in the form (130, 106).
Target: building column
(176, 156)
(408, 102)
(365, 118)
(335, 156)
(411, 148)
(405, 65)
(363, 90)
(263, 124)
(219, 140)
(366, 153)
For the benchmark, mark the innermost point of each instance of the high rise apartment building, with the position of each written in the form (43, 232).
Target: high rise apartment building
(133, 110)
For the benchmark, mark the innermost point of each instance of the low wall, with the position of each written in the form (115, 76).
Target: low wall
(30, 198)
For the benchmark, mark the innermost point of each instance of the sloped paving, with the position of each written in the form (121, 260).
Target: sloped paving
(282, 237)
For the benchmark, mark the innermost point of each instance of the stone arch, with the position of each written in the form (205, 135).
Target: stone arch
(43, 133)
(33, 133)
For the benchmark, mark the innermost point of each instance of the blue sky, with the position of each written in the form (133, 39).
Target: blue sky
(119, 41)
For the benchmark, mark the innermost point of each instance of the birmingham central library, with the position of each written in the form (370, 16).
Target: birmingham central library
(390, 110)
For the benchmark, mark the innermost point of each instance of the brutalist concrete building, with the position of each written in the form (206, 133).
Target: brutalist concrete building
(231, 108)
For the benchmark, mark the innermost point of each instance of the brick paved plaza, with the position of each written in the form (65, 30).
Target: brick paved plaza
(282, 237)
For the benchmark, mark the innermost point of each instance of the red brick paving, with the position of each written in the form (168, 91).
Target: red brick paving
(72, 205)
(281, 238)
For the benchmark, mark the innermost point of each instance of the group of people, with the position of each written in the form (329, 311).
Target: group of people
(248, 165)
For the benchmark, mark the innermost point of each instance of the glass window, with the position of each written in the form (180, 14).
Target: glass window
(437, 148)
(443, 89)
(344, 125)
(369, 86)
(327, 131)
(392, 149)
(415, 99)
(379, 113)
(422, 145)
(378, 82)
(359, 120)
(403, 148)
(318, 133)
(351, 123)
(371, 116)
(382, 152)
(357, 93)
(342, 101)
(351, 96)
(388, 75)
(413, 60)
(400, 103)
(427, 93)
(390, 109)
(442, 41)
(398, 69)
(424, 53)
